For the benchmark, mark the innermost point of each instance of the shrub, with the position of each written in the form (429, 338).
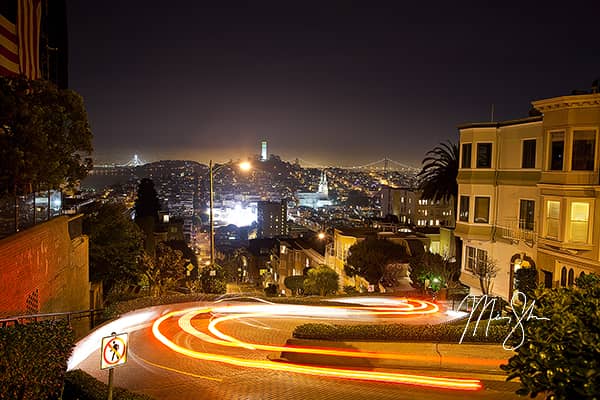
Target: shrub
(271, 290)
(349, 289)
(321, 281)
(80, 385)
(33, 359)
(215, 283)
(526, 280)
(560, 356)
(397, 332)
(116, 309)
(295, 283)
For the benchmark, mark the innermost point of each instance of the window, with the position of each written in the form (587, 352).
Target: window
(578, 228)
(557, 148)
(526, 214)
(484, 155)
(571, 277)
(471, 258)
(482, 210)
(466, 155)
(463, 214)
(528, 160)
(584, 144)
(552, 218)
(475, 257)
(563, 276)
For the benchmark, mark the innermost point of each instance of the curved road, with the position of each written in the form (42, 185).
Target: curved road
(231, 350)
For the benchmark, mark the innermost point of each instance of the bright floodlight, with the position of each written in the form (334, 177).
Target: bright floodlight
(245, 166)
(321, 235)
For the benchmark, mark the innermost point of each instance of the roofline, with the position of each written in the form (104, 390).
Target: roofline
(498, 124)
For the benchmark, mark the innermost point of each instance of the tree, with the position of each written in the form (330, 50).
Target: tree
(526, 280)
(146, 203)
(486, 270)
(44, 132)
(559, 356)
(368, 258)
(358, 198)
(188, 254)
(295, 283)
(164, 269)
(116, 245)
(437, 179)
(429, 266)
(213, 280)
(146, 212)
(322, 281)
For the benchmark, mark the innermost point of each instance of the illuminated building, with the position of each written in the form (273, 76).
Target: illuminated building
(316, 200)
(529, 191)
(407, 205)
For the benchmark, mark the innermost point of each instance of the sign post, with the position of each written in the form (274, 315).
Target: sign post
(113, 353)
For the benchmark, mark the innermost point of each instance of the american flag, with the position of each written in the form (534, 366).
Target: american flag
(20, 42)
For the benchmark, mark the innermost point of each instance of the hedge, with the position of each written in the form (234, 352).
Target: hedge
(398, 333)
(117, 309)
(80, 385)
(33, 359)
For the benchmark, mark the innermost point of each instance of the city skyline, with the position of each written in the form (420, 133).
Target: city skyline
(210, 83)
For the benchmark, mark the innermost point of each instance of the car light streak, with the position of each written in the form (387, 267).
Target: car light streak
(404, 307)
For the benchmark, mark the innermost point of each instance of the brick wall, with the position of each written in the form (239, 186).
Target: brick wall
(43, 270)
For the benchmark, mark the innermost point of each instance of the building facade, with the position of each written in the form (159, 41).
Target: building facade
(528, 190)
(407, 205)
(271, 219)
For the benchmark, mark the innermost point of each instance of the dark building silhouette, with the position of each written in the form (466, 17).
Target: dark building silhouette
(271, 219)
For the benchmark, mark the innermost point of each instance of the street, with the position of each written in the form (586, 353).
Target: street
(198, 364)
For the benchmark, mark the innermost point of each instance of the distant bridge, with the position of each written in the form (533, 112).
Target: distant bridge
(382, 165)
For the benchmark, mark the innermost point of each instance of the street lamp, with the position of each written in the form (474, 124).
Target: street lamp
(244, 166)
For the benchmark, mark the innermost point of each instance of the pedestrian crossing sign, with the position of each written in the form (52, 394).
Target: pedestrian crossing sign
(114, 350)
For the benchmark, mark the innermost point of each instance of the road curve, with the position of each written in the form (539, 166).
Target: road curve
(225, 350)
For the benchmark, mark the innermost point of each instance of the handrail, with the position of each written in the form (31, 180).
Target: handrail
(69, 315)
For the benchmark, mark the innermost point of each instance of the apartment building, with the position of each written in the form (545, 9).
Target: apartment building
(527, 193)
(407, 205)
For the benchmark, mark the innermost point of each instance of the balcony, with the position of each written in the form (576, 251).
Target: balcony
(517, 230)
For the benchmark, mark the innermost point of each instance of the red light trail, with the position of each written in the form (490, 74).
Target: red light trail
(401, 307)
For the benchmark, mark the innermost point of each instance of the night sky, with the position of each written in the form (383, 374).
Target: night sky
(327, 82)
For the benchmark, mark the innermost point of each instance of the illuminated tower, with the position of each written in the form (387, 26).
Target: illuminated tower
(263, 150)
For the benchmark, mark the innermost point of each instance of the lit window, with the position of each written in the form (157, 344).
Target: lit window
(578, 228)
(482, 210)
(552, 218)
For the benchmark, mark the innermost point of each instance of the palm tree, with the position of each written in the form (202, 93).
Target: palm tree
(437, 179)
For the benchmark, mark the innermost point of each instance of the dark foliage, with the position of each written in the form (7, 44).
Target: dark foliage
(369, 257)
(437, 178)
(560, 356)
(44, 131)
(80, 385)
(33, 360)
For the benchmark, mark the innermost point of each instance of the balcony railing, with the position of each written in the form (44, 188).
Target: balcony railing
(515, 230)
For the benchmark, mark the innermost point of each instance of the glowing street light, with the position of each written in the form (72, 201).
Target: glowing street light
(244, 166)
